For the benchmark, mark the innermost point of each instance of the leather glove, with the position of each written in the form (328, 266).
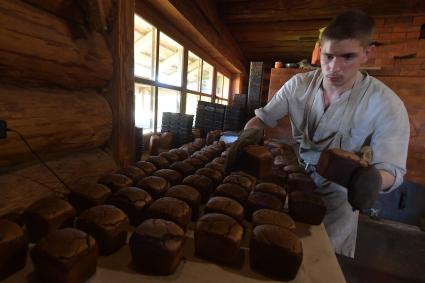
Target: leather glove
(364, 187)
(247, 137)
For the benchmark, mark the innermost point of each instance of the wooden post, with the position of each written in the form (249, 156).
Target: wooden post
(121, 93)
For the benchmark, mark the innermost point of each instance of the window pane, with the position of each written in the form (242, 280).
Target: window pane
(191, 103)
(219, 85)
(206, 98)
(207, 76)
(144, 48)
(168, 101)
(144, 107)
(226, 85)
(222, 101)
(193, 72)
(170, 61)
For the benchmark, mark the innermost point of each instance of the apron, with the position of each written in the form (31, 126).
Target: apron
(340, 220)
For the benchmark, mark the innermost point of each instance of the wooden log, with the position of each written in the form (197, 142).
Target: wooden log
(52, 122)
(22, 187)
(38, 48)
(121, 92)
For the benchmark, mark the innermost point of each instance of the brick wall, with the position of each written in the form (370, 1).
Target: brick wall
(401, 58)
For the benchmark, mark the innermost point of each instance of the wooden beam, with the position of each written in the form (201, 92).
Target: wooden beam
(38, 49)
(52, 121)
(171, 21)
(121, 93)
(290, 10)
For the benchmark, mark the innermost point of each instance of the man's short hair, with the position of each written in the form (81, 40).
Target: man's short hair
(353, 24)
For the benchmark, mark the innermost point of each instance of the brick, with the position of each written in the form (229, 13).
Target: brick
(384, 29)
(403, 20)
(419, 20)
(400, 28)
(398, 35)
(414, 28)
(412, 35)
(379, 22)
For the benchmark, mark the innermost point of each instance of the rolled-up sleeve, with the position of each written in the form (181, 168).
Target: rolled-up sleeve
(277, 107)
(390, 141)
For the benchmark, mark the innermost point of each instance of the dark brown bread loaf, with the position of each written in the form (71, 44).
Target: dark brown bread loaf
(214, 175)
(272, 217)
(243, 181)
(48, 215)
(195, 162)
(276, 176)
(185, 168)
(133, 201)
(220, 160)
(338, 165)
(133, 172)
(272, 189)
(202, 184)
(294, 168)
(170, 175)
(202, 156)
(256, 160)
(115, 181)
(13, 248)
(306, 207)
(154, 185)
(180, 153)
(300, 182)
(157, 246)
(172, 209)
(275, 251)
(259, 200)
(232, 191)
(199, 143)
(67, 255)
(148, 167)
(216, 166)
(159, 161)
(226, 206)
(85, 196)
(171, 157)
(107, 224)
(187, 194)
(218, 238)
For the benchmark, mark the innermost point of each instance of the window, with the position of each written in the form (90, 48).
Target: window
(158, 71)
(144, 49)
(222, 89)
(207, 77)
(170, 61)
(168, 101)
(191, 103)
(194, 66)
(145, 107)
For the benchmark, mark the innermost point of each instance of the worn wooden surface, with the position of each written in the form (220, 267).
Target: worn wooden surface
(319, 265)
(52, 121)
(121, 92)
(20, 187)
(39, 48)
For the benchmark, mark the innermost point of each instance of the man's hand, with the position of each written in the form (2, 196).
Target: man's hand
(247, 137)
(364, 187)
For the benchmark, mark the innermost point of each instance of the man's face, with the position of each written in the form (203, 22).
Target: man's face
(341, 59)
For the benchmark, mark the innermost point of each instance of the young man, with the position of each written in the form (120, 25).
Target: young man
(340, 107)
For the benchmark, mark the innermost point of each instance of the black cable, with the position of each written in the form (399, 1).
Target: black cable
(38, 157)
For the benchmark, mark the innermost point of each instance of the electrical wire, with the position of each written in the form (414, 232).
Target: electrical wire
(39, 158)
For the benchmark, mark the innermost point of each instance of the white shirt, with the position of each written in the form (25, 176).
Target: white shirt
(379, 119)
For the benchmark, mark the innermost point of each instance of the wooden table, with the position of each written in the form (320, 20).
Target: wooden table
(319, 265)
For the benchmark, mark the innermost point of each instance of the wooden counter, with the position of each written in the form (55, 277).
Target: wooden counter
(319, 265)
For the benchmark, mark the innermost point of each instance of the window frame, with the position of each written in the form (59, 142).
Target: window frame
(183, 86)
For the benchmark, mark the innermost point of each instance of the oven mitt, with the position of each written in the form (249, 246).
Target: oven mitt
(364, 187)
(247, 137)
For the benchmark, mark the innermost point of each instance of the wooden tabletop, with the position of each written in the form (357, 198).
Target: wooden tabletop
(319, 265)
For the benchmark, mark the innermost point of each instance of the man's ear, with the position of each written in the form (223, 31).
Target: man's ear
(370, 52)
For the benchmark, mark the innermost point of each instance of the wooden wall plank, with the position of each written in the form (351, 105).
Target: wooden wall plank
(38, 48)
(52, 121)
